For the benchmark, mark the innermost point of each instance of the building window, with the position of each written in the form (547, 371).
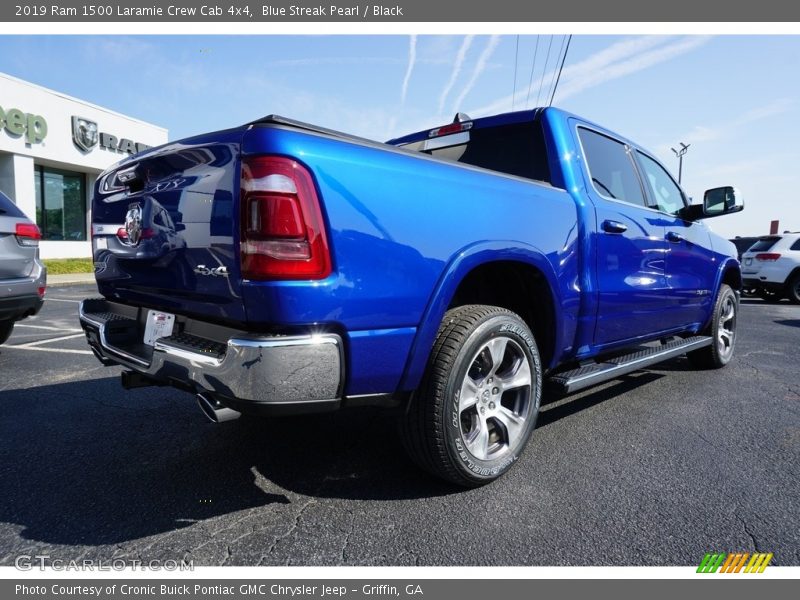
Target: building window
(60, 204)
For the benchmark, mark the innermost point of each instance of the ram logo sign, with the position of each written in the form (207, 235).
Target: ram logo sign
(87, 135)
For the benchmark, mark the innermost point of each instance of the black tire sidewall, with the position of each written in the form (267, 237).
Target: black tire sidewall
(469, 466)
(724, 293)
(6, 328)
(791, 288)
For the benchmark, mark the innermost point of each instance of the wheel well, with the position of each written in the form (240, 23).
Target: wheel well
(794, 272)
(518, 287)
(733, 277)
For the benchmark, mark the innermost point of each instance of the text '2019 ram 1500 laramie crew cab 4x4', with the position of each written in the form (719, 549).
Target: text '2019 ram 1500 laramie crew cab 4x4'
(282, 267)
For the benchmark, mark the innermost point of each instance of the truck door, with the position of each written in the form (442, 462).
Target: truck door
(690, 265)
(629, 240)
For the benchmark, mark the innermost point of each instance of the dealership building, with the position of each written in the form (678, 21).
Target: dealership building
(52, 148)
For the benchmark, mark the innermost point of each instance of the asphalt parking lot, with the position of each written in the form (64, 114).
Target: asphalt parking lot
(657, 468)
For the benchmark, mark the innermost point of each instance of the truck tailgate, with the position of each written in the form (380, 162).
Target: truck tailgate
(164, 229)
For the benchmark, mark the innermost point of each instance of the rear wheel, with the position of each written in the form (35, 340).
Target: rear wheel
(793, 288)
(722, 331)
(474, 411)
(6, 327)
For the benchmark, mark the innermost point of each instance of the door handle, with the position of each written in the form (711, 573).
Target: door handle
(614, 227)
(675, 237)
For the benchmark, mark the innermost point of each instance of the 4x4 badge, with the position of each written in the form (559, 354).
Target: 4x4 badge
(215, 272)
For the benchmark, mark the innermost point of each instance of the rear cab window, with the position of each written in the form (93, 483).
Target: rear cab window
(611, 169)
(515, 149)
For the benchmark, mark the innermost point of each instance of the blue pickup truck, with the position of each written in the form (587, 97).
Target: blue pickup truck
(280, 267)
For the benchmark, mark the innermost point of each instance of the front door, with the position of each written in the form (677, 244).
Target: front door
(690, 265)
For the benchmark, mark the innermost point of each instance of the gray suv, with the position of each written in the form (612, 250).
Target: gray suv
(23, 277)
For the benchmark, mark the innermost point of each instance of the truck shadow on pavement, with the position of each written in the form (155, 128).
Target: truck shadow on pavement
(85, 463)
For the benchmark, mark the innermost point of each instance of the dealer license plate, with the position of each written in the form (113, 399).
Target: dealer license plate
(159, 324)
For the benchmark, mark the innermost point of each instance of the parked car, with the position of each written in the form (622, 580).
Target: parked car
(23, 277)
(772, 266)
(742, 245)
(447, 272)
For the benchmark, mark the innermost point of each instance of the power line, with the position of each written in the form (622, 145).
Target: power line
(533, 65)
(546, 60)
(558, 58)
(563, 60)
(514, 88)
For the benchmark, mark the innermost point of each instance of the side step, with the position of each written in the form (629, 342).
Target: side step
(587, 376)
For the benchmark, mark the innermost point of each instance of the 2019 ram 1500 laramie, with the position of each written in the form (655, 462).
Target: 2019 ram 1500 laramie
(281, 267)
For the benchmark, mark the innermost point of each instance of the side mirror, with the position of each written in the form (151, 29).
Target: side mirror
(722, 201)
(716, 202)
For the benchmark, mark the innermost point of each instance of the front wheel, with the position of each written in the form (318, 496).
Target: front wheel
(474, 411)
(6, 327)
(722, 330)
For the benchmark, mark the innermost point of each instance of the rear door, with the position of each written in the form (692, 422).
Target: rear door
(629, 238)
(164, 229)
(690, 265)
(16, 260)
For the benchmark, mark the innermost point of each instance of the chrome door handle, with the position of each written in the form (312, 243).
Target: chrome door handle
(614, 227)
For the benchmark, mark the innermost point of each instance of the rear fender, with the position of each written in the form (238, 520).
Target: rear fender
(459, 267)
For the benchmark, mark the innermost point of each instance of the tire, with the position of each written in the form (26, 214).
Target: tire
(476, 406)
(722, 330)
(793, 288)
(6, 327)
(769, 295)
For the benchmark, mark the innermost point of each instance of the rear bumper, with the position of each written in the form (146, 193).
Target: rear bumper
(19, 298)
(249, 373)
(19, 307)
(750, 282)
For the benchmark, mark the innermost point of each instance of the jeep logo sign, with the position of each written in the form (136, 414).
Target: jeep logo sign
(86, 135)
(18, 123)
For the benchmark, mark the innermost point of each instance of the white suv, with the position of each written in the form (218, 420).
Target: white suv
(772, 265)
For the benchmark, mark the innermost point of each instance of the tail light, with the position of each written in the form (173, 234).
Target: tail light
(768, 256)
(147, 234)
(283, 234)
(27, 234)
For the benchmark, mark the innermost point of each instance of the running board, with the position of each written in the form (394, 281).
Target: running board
(589, 375)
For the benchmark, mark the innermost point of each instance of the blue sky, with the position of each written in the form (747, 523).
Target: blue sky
(735, 99)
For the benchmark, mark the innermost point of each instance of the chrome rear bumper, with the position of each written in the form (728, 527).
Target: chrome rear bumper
(245, 371)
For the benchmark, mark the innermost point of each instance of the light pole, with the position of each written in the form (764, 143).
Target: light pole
(679, 153)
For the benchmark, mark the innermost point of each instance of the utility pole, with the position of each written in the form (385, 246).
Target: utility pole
(679, 153)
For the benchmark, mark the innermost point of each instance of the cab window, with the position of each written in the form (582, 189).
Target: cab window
(665, 193)
(610, 167)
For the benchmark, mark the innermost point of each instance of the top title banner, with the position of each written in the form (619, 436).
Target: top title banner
(463, 11)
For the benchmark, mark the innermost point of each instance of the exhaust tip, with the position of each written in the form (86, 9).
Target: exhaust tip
(215, 411)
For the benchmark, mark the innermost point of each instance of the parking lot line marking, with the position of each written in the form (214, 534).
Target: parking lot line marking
(44, 327)
(40, 342)
(40, 349)
(61, 300)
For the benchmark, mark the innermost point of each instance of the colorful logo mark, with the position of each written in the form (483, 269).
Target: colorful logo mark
(734, 562)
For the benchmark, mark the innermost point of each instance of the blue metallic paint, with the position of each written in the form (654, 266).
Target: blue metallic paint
(406, 228)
